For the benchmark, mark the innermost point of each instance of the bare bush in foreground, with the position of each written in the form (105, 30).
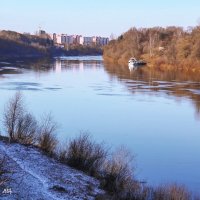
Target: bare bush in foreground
(84, 154)
(174, 192)
(47, 140)
(20, 125)
(26, 129)
(12, 112)
(118, 172)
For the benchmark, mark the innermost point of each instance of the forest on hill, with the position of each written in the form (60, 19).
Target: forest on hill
(168, 47)
(15, 45)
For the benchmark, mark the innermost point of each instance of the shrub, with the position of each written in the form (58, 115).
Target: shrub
(118, 173)
(118, 178)
(13, 111)
(26, 129)
(173, 192)
(47, 140)
(3, 172)
(84, 154)
(21, 126)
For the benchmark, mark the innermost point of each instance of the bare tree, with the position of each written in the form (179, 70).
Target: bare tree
(20, 125)
(12, 112)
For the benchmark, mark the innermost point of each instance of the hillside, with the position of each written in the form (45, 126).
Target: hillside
(15, 45)
(160, 47)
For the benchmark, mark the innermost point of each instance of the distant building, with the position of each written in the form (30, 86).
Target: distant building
(58, 39)
(54, 38)
(87, 41)
(102, 41)
(41, 32)
(79, 39)
(65, 39)
(70, 39)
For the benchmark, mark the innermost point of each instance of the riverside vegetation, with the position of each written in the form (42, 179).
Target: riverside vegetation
(115, 171)
(162, 48)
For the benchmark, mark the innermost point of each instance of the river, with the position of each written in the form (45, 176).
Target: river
(155, 114)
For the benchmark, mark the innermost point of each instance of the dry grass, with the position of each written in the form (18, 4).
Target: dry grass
(171, 192)
(22, 127)
(84, 154)
(3, 172)
(26, 129)
(47, 140)
(118, 172)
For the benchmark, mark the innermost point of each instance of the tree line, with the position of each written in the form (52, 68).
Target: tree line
(170, 46)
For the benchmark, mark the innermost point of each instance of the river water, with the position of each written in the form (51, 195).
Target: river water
(155, 114)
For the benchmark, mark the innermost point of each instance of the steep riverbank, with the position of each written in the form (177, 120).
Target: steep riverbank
(36, 176)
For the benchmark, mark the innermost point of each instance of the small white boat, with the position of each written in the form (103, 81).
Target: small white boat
(133, 62)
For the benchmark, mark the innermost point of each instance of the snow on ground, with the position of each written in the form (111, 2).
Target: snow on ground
(38, 177)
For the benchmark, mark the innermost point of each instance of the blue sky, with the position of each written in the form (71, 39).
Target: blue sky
(96, 17)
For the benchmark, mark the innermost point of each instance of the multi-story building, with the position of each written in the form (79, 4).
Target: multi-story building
(87, 41)
(58, 39)
(64, 39)
(102, 41)
(54, 38)
(79, 39)
(70, 39)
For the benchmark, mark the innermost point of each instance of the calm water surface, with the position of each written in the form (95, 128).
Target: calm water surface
(154, 114)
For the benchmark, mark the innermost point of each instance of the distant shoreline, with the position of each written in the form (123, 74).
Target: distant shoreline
(170, 48)
(15, 45)
(47, 56)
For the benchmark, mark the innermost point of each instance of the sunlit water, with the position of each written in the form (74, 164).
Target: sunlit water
(154, 114)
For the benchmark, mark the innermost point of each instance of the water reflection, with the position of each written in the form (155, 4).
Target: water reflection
(121, 107)
(80, 65)
(41, 68)
(175, 83)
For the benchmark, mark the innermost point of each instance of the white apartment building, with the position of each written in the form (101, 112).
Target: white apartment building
(57, 38)
(78, 39)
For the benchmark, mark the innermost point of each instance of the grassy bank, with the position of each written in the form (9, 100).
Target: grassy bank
(114, 170)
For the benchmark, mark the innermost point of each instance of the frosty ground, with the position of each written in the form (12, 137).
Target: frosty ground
(34, 175)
